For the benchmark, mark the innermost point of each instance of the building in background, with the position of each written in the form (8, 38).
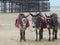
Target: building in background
(14, 6)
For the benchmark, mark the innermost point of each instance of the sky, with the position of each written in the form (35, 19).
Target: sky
(55, 2)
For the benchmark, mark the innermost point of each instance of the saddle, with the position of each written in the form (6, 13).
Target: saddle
(17, 23)
(43, 22)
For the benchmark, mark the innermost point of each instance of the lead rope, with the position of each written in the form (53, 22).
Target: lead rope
(31, 30)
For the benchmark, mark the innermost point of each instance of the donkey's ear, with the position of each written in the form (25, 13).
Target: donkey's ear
(30, 13)
(46, 15)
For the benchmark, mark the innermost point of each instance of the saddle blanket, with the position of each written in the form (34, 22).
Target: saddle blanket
(17, 23)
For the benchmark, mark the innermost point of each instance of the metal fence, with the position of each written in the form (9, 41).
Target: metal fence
(12, 6)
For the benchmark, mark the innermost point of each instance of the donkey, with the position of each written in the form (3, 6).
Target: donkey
(22, 24)
(52, 23)
(37, 22)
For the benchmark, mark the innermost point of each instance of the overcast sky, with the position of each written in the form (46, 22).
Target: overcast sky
(55, 2)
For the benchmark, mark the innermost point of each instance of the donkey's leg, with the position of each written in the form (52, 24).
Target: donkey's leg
(49, 34)
(40, 34)
(24, 35)
(20, 35)
(53, 34)
(36, 35)
(56, 33)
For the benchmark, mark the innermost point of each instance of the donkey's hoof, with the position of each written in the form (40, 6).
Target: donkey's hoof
(24, 40)
(52, 39)
(40, 39)
(49, 39)
(20, 40)
(36, 40)
(56, 38)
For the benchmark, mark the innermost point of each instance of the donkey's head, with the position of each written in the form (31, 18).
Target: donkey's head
(34, 21)
(48, 20)
(24, 22)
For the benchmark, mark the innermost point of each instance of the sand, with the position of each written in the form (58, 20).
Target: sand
(9, 34)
